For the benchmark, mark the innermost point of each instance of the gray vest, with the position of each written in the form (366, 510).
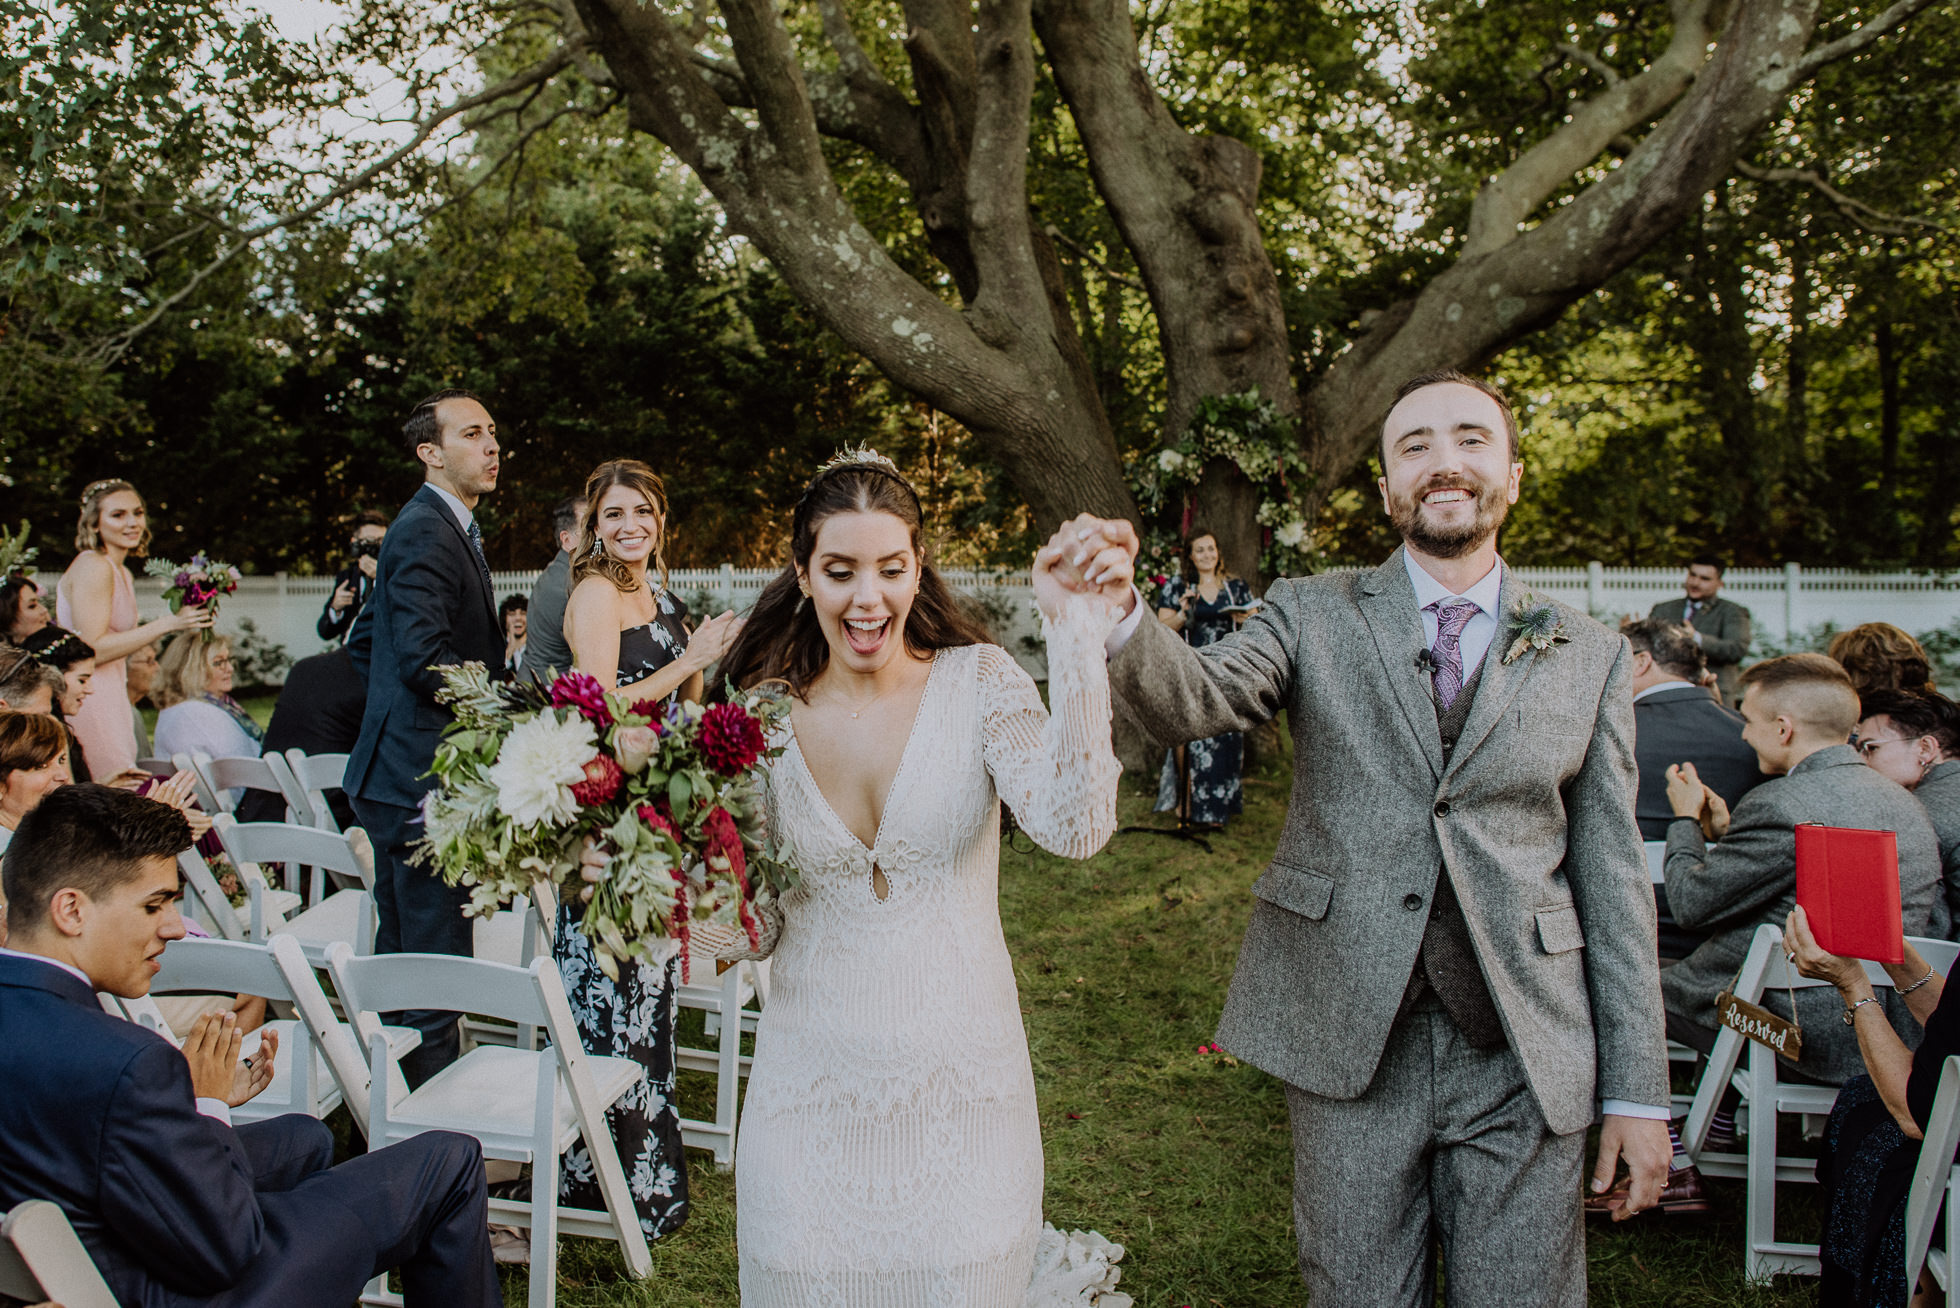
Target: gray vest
(1447, 964)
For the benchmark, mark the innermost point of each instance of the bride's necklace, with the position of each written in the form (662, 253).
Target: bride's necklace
(862, 706)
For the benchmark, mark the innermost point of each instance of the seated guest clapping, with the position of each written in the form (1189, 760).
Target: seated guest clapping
(1915, 740)
(132, 1138)
(1871, 1143)
(1798, 712)
(1676, 720)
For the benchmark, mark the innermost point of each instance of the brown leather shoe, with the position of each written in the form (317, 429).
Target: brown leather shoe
(1683, 1193)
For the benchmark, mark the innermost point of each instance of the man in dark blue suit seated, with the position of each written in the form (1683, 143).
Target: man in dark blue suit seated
(1676, 720)
(432, 606)
(133, 1137)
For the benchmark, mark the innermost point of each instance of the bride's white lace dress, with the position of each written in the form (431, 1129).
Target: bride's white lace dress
(889, 1151)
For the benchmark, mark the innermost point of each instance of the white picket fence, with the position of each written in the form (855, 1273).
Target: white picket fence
(284, 608)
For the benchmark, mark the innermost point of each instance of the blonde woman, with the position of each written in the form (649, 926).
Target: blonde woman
(193, 690)
(96, 600)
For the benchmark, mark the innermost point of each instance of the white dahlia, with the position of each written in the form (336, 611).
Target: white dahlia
(541, 760)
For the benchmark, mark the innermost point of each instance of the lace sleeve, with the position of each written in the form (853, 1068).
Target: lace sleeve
(1057, 770)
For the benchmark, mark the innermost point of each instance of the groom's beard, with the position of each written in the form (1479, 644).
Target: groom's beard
(1440, 542)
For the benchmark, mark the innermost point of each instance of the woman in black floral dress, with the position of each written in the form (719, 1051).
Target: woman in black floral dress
(1206, 603)
(629, 632)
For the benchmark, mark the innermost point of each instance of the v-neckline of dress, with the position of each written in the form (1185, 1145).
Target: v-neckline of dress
(898, 777)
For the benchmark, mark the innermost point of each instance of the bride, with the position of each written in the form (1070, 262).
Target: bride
(889, 1151)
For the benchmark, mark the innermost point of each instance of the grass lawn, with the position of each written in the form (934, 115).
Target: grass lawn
(1184, 1159)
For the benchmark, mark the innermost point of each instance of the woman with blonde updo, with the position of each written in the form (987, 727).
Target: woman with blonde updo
(96, 600)
(198, 714)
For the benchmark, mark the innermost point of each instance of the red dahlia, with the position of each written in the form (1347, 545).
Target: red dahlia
(602, 778)
(577, 691)
(731, 739)
(724, 844)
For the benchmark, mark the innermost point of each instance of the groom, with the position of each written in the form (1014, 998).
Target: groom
(1451, 958)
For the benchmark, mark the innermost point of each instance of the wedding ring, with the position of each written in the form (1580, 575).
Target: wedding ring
(1789, 955)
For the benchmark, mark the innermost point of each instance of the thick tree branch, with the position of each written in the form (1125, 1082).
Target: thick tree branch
(1515, 194)
(775, 81)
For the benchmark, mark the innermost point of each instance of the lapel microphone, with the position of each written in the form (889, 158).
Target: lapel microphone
(1425, 662)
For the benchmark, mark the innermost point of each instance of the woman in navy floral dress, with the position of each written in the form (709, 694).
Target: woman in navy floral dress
(1206, 603)
(629, 632)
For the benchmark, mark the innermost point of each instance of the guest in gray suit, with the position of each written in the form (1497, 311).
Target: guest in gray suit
(1676, 720)
(1451, 955)
(545, 648)
(1798, 711)
(1915, 740)
(1721, 626)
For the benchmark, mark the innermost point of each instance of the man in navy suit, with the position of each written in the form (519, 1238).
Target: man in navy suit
(432, 606)
(133, 1138)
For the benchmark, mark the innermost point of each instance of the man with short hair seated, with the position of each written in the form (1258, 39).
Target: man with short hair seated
(1676, 720)
(1797, 712)
(132, 1137)
(1914, 738)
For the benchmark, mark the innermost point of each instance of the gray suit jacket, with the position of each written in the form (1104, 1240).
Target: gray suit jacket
(544, 622)
(1532, 820)
(1938, 793)
(1749, 878)
(1725, 635)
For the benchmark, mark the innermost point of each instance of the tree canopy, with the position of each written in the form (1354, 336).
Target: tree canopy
(1165, 260)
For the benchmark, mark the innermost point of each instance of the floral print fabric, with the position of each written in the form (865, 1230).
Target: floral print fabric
(1216, 763)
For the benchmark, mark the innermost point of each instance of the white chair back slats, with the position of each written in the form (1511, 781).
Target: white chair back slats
(312, 776)
(43, 1260)
(344, 915)
(522, 1105)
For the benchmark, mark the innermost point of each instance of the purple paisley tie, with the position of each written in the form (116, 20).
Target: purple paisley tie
(1451, 617)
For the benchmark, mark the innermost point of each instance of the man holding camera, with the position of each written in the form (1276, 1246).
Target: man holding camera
(354, 583)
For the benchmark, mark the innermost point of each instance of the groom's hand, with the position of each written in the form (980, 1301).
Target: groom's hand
(1643, 1142)
(1088, 556)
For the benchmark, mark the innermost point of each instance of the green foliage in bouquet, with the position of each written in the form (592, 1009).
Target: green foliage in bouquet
(671, 795)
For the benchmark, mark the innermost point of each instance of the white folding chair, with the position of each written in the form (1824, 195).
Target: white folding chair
(1934, 1180)
(1767, 1098)
(346, 915)
(158, 767)
(1656, 860)
(312, 776)
(42, 1259)
(724, 1000)
(218, 777)
(320, 1064)
(215, 910)
(522, 1105)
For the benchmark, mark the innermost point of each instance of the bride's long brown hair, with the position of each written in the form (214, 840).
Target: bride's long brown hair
(783, 639)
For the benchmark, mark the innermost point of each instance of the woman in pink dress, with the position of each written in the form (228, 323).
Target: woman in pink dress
(97, 601)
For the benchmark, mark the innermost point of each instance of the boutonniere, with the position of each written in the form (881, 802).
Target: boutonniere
(1534, 624)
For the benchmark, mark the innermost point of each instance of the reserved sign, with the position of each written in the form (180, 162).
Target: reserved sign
(1759, 1024)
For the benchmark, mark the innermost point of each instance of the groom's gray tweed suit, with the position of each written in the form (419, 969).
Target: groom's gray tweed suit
(1531, 817)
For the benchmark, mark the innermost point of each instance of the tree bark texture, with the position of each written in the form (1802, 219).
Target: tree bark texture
(1007, 361)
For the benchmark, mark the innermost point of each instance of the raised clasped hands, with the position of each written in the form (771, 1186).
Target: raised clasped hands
(217, 1072)
(1087, 556)
(1690, 797)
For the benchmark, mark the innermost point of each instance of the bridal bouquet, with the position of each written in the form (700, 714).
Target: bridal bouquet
(196, 584)
(526, 773)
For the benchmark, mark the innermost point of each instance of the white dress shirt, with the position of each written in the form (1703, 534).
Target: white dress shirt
(215, 1108)
(1658, 687)
(1474, 640)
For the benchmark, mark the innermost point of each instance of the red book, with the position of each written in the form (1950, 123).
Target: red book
(1848, 885)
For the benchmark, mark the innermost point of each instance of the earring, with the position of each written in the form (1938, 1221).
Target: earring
(803, 588)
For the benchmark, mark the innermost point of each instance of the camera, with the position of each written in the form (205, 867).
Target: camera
(367, 549)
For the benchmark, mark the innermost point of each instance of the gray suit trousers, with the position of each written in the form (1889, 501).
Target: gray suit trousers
(1446, 1147)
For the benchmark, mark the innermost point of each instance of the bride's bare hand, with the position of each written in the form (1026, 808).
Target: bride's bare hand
(592, 862)
(1088, 556)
